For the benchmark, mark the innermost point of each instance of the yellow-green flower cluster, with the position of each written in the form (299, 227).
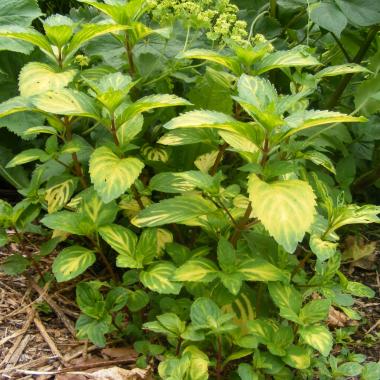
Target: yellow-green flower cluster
(217, 17)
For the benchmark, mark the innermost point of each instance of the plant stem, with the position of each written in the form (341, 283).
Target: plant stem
(334, 100)
(218, 160)
(77, 166)
(107, 264)
(187, 39)
(114, 131)
(128, 48)
(241, 225)
(219, 358)
(344, 51)
(365, 180)
(273, 8)
(137, 196)
(301, 264)
(178, 348)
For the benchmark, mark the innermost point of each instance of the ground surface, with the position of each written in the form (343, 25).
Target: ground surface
(37, 329)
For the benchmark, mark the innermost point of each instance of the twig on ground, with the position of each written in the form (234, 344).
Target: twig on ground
(62, 316)
(41, 328)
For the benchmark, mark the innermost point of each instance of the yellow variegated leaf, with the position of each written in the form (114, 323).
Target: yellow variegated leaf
(209, 55)
(67, 102)
(36, 78)
(71, 262)
(58, 195)
(200, 270)
(318, 337)
(285, 208)
(124, 242)
(159, 278)
(112, 175)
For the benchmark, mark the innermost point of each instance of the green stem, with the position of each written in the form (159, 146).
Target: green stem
(77, 166)
(187, 39)
(273, 8)
(128, 48)
(218, 160)
(334, 100)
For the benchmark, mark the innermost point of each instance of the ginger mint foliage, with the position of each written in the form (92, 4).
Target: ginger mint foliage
(215, 224)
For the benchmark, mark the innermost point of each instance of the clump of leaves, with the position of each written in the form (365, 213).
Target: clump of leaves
(216, 222)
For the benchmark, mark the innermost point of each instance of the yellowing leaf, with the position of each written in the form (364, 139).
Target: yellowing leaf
(36, 78)
(159, 278)
(112, 175)
(285, 208)
(71, 262)
(58, 195)
(200, 270)
(318, 337)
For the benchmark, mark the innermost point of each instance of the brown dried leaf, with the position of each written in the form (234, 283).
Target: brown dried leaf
(336, 318)
(120, 352)
(117, 373)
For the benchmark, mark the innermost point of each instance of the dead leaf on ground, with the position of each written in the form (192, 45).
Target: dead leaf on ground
(120, 352)
(337, 318)
(359, 253)
(117, 373)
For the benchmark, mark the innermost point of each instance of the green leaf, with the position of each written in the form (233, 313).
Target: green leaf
(348, 68)
(314, 311)
(354, 214)
(261, 270)
(112, 175)
(301, 120)
(168, 324)
(174, 210)
(360, 12)
(36, 78)
(90, 216)
(318, 337)
(26, 156)
(148, 103)
(226, 256)
(329, 17)
(87, 33)
(297, 57)
(159, 278)
(28, 35)
(288, 299)
(71, 262)
(297, 357)
(217, 120)
(197, 270)
(14, 264)
(256, 91)
(19, 12)
(59, 29)
(58, 196)
(124, 242)
(137, 300)
(245, 372)
(205, 314)
(185, 136)
(67, 102)
(93, 329)
(285, 208)
(349, 369)
(371, 371)
(230, 62)
(359, 290)
(181, 182)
